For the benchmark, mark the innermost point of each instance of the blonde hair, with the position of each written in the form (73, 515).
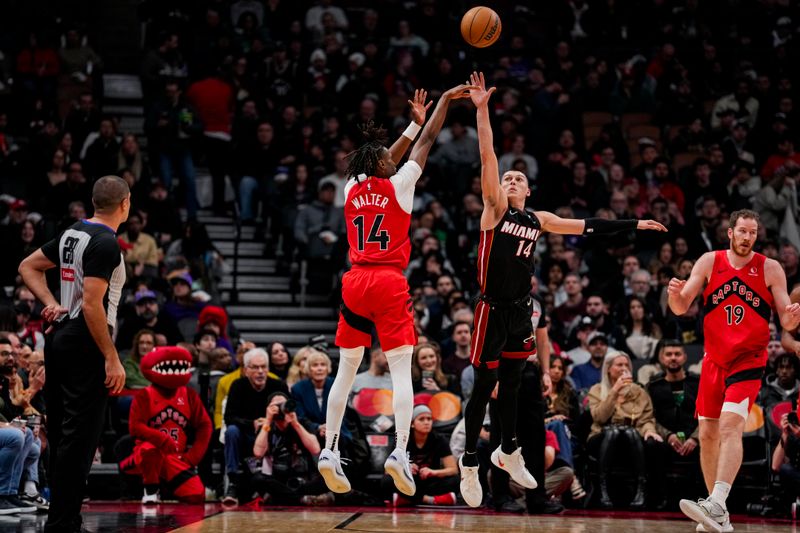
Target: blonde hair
(605, 381)
(298, 369)
(314, 356)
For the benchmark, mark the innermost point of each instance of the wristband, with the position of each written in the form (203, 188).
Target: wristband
(601, 225)
(412, 130)
(265, 428)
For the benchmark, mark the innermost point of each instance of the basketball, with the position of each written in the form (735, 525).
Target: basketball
(480, 26)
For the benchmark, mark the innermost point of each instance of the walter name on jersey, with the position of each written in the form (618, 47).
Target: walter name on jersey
(378, 200)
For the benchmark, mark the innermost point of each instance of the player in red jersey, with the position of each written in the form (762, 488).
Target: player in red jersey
(375, 293)
(741, 289)
(504, 338)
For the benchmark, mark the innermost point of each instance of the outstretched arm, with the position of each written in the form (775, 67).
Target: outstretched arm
(494, 197)
(591, 226)
(418, 111)
(788, 312)
(681, 293)
(419, 154)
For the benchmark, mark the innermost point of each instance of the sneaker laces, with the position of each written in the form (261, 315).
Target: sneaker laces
(711, 506)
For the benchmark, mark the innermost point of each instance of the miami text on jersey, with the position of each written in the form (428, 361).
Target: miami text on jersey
(520, 231)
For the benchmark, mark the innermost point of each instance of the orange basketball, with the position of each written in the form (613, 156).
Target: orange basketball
(480, 27)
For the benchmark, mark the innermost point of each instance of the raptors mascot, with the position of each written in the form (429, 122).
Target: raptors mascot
(161, 417)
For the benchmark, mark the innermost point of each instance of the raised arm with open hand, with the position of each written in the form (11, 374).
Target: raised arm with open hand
(419, 110)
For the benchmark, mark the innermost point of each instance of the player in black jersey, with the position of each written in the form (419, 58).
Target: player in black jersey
(503, 337)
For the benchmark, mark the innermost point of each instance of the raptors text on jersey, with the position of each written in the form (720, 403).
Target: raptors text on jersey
(738, 307)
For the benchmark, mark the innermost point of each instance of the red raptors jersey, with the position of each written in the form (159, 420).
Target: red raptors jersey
(738, 307)
(377, 226)
(171, 415)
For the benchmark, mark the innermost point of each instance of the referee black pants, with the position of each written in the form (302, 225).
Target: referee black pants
(76, 404)
(530, 437)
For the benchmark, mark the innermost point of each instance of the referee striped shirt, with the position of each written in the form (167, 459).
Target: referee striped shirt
(87, 249)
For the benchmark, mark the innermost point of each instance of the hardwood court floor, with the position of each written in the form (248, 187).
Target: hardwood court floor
(418, 521)
(128, 517)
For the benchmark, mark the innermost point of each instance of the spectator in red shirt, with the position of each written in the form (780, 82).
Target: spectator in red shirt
(213, 99)
(38, 68)
(558, 475)
(785, 153)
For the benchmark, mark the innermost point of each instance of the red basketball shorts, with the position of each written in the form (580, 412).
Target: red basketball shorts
(733, 390)
(375, 299)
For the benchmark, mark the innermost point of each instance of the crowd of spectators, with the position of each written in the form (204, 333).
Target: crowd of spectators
(677, 110)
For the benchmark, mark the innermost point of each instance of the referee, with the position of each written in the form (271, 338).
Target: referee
(81, 362)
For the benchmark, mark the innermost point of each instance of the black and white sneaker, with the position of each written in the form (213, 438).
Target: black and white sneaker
(7, 507)
(23, 507)
(36, 500)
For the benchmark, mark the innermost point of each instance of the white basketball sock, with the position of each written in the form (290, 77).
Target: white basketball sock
(402, 392)
(720, 492)
(349, 361)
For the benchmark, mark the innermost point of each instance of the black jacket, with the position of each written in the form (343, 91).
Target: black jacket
(672, 413)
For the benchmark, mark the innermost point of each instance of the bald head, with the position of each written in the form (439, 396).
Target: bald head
(108, 192)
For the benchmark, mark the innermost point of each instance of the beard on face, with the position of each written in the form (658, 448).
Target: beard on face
(674, 368)
(739, 248)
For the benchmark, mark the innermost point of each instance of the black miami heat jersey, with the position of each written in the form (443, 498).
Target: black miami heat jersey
(505, 256)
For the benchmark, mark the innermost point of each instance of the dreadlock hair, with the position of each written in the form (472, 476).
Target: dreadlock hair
(364, 160)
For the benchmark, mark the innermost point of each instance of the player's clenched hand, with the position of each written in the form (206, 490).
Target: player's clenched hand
(675, 286)
(115, 375)
(651, 225)
(793, 310)
(418, 106)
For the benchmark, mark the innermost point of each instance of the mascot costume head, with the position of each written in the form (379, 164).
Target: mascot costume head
(168, 367)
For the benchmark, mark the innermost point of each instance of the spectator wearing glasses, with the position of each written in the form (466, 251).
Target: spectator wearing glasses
(244, 415)
(25, 450)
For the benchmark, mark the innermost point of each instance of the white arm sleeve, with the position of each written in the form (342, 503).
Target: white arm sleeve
(404, 182)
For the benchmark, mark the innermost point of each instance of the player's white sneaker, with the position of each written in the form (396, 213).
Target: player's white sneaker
(514, 464)
(707, 513)
(397, 466)
(726, 527)
(330, 466)
(471, 489)
(151, 499)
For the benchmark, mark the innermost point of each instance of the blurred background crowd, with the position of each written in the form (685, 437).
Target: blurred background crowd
(676, 110)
